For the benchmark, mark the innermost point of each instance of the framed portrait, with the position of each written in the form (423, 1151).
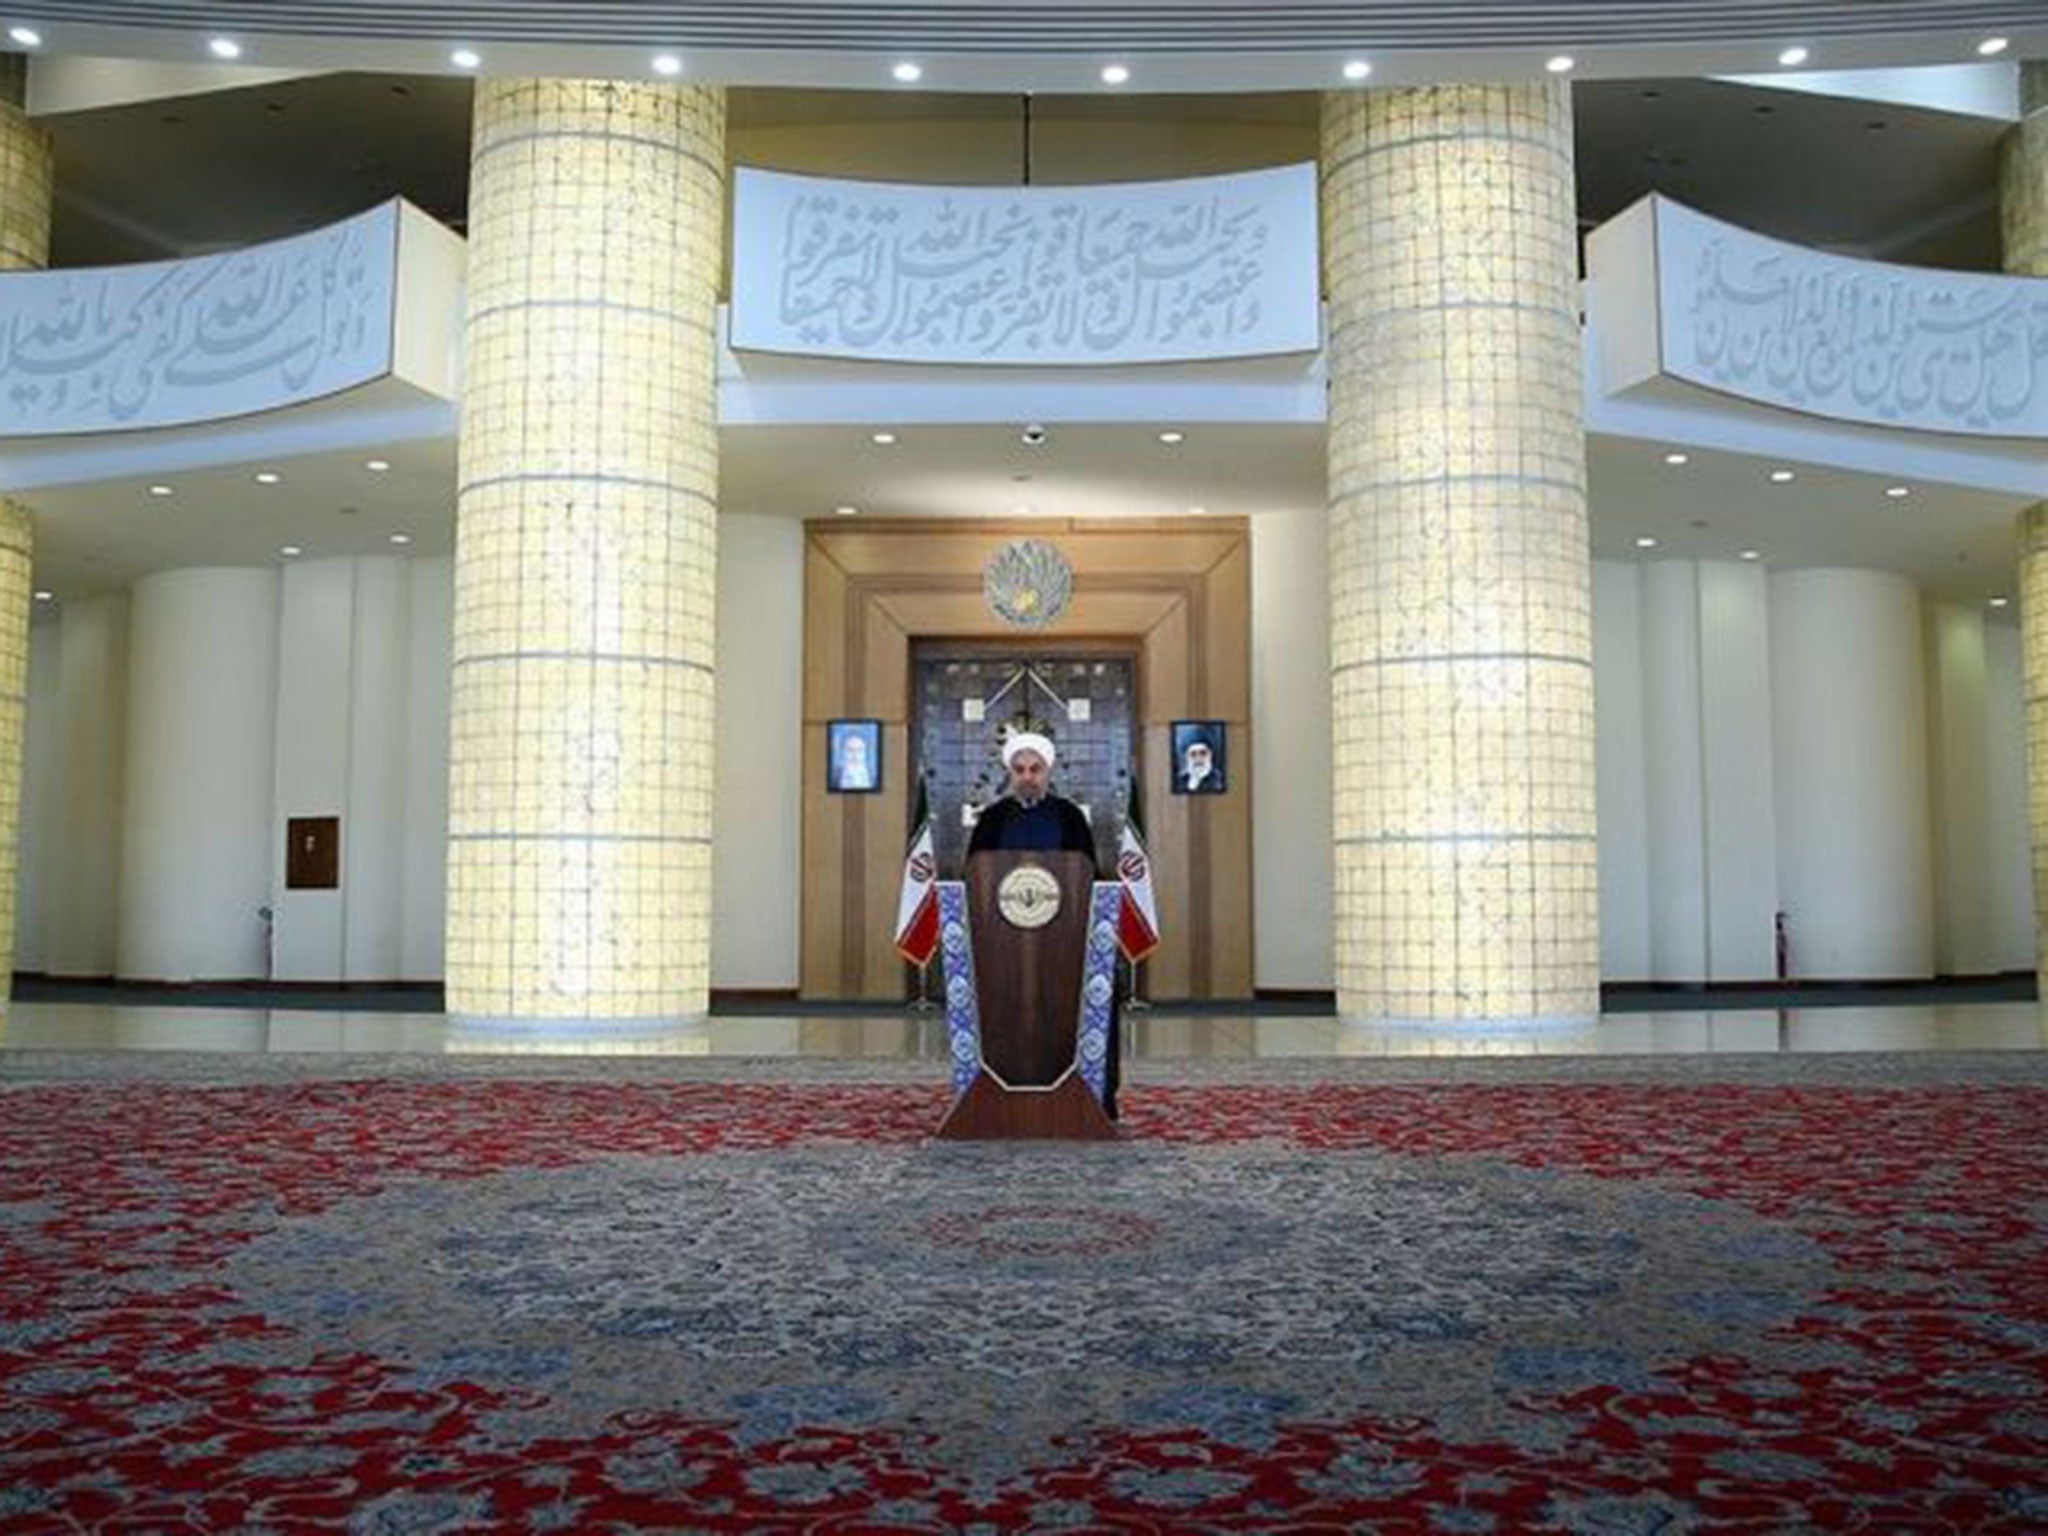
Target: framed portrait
(1201, 757)
(853, 757)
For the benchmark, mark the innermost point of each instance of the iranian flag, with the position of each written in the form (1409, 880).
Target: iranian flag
(1137, 925)
(917, 909)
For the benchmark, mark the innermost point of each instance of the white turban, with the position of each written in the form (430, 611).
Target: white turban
(1027, 741)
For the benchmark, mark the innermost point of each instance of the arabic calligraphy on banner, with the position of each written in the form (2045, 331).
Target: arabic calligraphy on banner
(165, 343)
(1860, 340)
(1214, 267)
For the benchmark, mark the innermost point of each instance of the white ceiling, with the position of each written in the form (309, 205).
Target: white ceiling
(1958, 544)
(1042, 45)
(223, 168)
(99, 537)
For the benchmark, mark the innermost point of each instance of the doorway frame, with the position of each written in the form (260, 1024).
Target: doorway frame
(1174, 591)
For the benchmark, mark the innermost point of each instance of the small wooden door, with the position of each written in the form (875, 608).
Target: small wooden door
(312, 859)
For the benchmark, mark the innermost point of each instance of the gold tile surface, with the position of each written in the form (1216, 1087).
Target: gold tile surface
(17, 577)
(2023, 179)
(2034, 670)
(1460, 565)
(2023, 210)
(579, 866)
(25, 192)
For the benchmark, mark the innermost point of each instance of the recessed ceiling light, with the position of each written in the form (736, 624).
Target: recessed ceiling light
(224, 48)
(1991, 47)
(1782, 477)
(1115, 74)
(291, 551)
(401, 538)
(1677, 458)
(1898, 492)
(161, 490)
(1750, 554)
(846, 511)
(1357, 69)
(1794, 56)
(1562, 64)
(376, 466)
(667, 64)
(268, 477)
(29, 37)
(1646, 542)
(907, 73)
(44, 597)
(1171, 437)
(1998, 602)
(465, 58)
(884, 438)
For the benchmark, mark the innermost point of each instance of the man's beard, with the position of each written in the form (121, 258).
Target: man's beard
(1027, 797)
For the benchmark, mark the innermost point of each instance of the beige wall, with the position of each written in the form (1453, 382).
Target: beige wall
(1291, 807)
(757, 742)
(980, 139)
(71, 790)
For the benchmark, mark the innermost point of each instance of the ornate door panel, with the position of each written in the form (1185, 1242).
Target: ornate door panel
(965, 702)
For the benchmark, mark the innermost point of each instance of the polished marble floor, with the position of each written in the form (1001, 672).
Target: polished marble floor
(1150, 1035)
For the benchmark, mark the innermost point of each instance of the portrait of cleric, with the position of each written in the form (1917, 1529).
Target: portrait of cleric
(1198, 761)
(853, 757)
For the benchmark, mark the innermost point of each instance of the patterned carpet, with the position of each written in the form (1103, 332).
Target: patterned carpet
(1746, 1296)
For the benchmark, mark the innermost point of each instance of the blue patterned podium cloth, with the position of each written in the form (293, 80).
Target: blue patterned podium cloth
(963, 1008)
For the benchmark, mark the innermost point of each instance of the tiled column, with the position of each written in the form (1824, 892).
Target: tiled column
(2023, 207)
(579, 862)
(25, 179)
(1460, 571)
(2034, 672)
(24, 244)
(2023, 178)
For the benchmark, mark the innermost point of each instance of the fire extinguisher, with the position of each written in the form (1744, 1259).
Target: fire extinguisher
(1782, 942)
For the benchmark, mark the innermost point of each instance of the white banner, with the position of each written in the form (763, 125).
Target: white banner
(166, 343)
(1857, 340)
(1141, 272)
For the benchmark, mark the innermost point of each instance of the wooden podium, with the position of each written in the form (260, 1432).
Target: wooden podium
(1024, 940)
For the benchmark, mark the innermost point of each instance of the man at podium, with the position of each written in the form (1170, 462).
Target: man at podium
(1030, 817)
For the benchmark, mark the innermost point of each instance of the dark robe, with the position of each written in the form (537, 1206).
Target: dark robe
(1054, 825)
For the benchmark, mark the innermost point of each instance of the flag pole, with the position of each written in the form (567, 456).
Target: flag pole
(923, 1004)
(1132, 1002)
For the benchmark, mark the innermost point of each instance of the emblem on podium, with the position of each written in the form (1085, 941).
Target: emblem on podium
(1029, 897)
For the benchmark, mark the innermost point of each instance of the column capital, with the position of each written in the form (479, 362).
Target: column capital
(2034, 530)
(2023, 177)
